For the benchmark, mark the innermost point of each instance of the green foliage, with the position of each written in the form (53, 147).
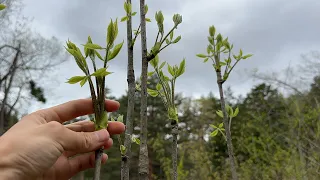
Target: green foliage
(2, 7)
(219, 48)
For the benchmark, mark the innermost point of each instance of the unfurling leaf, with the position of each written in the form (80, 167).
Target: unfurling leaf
(220, 113)
(75, 79)
(240, 53)
(162, 64)
(177, 39)
(125, 18)
(134, 13)
(214, 133)
(212, 31)
(83, 81)
(98, 55)
(120, 118)
(154, 62)
(110, 33)
(219, 38)
(201, 56)
(236, 112)
(229, 110)
(247, 56)
(115, 51)
(101, 72)
(135, 140)
(2, 7)
(171, 34)
(152, 92)
(122, 149)
(177, 19)
(167, 41)
(148, 19)
(158, 87)
(205, 60)
(146, 8)
(159, 17)
(92, 46)
(182, 68)
(170, 70)
(127, 7)
(220, 125)
(150, 73)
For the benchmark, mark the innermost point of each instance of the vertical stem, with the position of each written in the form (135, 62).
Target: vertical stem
(98, 158)
(143, 156)
(174, 132)
(226, 126)
(125, 161)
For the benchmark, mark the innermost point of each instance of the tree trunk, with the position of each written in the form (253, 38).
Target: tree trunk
(125, 164)
(174, 132)
(143, 156)
(226, 126)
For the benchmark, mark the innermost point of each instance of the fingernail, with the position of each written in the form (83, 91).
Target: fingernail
(102, 135)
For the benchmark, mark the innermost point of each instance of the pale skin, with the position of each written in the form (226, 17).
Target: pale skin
(40, 147)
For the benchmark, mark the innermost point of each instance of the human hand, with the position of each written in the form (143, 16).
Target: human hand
(40, 147)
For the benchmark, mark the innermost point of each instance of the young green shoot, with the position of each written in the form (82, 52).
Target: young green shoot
(99, 75)
(220, 52)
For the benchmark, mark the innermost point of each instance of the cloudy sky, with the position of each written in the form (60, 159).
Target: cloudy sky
(277, 32)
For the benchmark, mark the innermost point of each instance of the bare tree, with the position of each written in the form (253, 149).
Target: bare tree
(26, 57)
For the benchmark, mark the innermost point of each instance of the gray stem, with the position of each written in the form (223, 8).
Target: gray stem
(174, 132)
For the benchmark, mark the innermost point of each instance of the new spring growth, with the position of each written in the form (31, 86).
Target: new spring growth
(91, 50)
(231, 114)
(2, 7)
(166, 86)
(133, 139)
(219, 50)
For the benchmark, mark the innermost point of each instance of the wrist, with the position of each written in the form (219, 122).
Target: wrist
(6, 169)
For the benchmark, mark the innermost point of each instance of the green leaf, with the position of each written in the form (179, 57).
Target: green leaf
(177, 19)
(162, 64)
(240, 53)
(127, 7)
(220, 125)
(150, 73)
(236, 112)
(93, 46)
(2, 7)
(125, 18)
(154, 62)
(205, 60)
(170, 70)
(134, 13)
(229, 110)
(201, 56)
(182, 68)
(98, 55)
(120, 118)
(135, 140)
(138, 87)
(214, 133)
(110, 33)
(158, 87)
(219, 37)
(220, 113)
(146, 8)
(247, 56)
(213, 126)
(177, 39)
(167, 41)
(122, 149)
(171, 35)
(152, 92)
(83, 81)
(148, 19)
(115, 51)
(212, 31)
(159, 17)
(222, 63)
(101, 72)
(112, 119)
(75, 79)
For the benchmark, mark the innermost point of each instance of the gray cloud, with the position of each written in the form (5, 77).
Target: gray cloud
(275, 31)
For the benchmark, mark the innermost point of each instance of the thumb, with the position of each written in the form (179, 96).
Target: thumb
(83, 142)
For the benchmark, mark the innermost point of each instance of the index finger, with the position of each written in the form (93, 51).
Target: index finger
(73, 109)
